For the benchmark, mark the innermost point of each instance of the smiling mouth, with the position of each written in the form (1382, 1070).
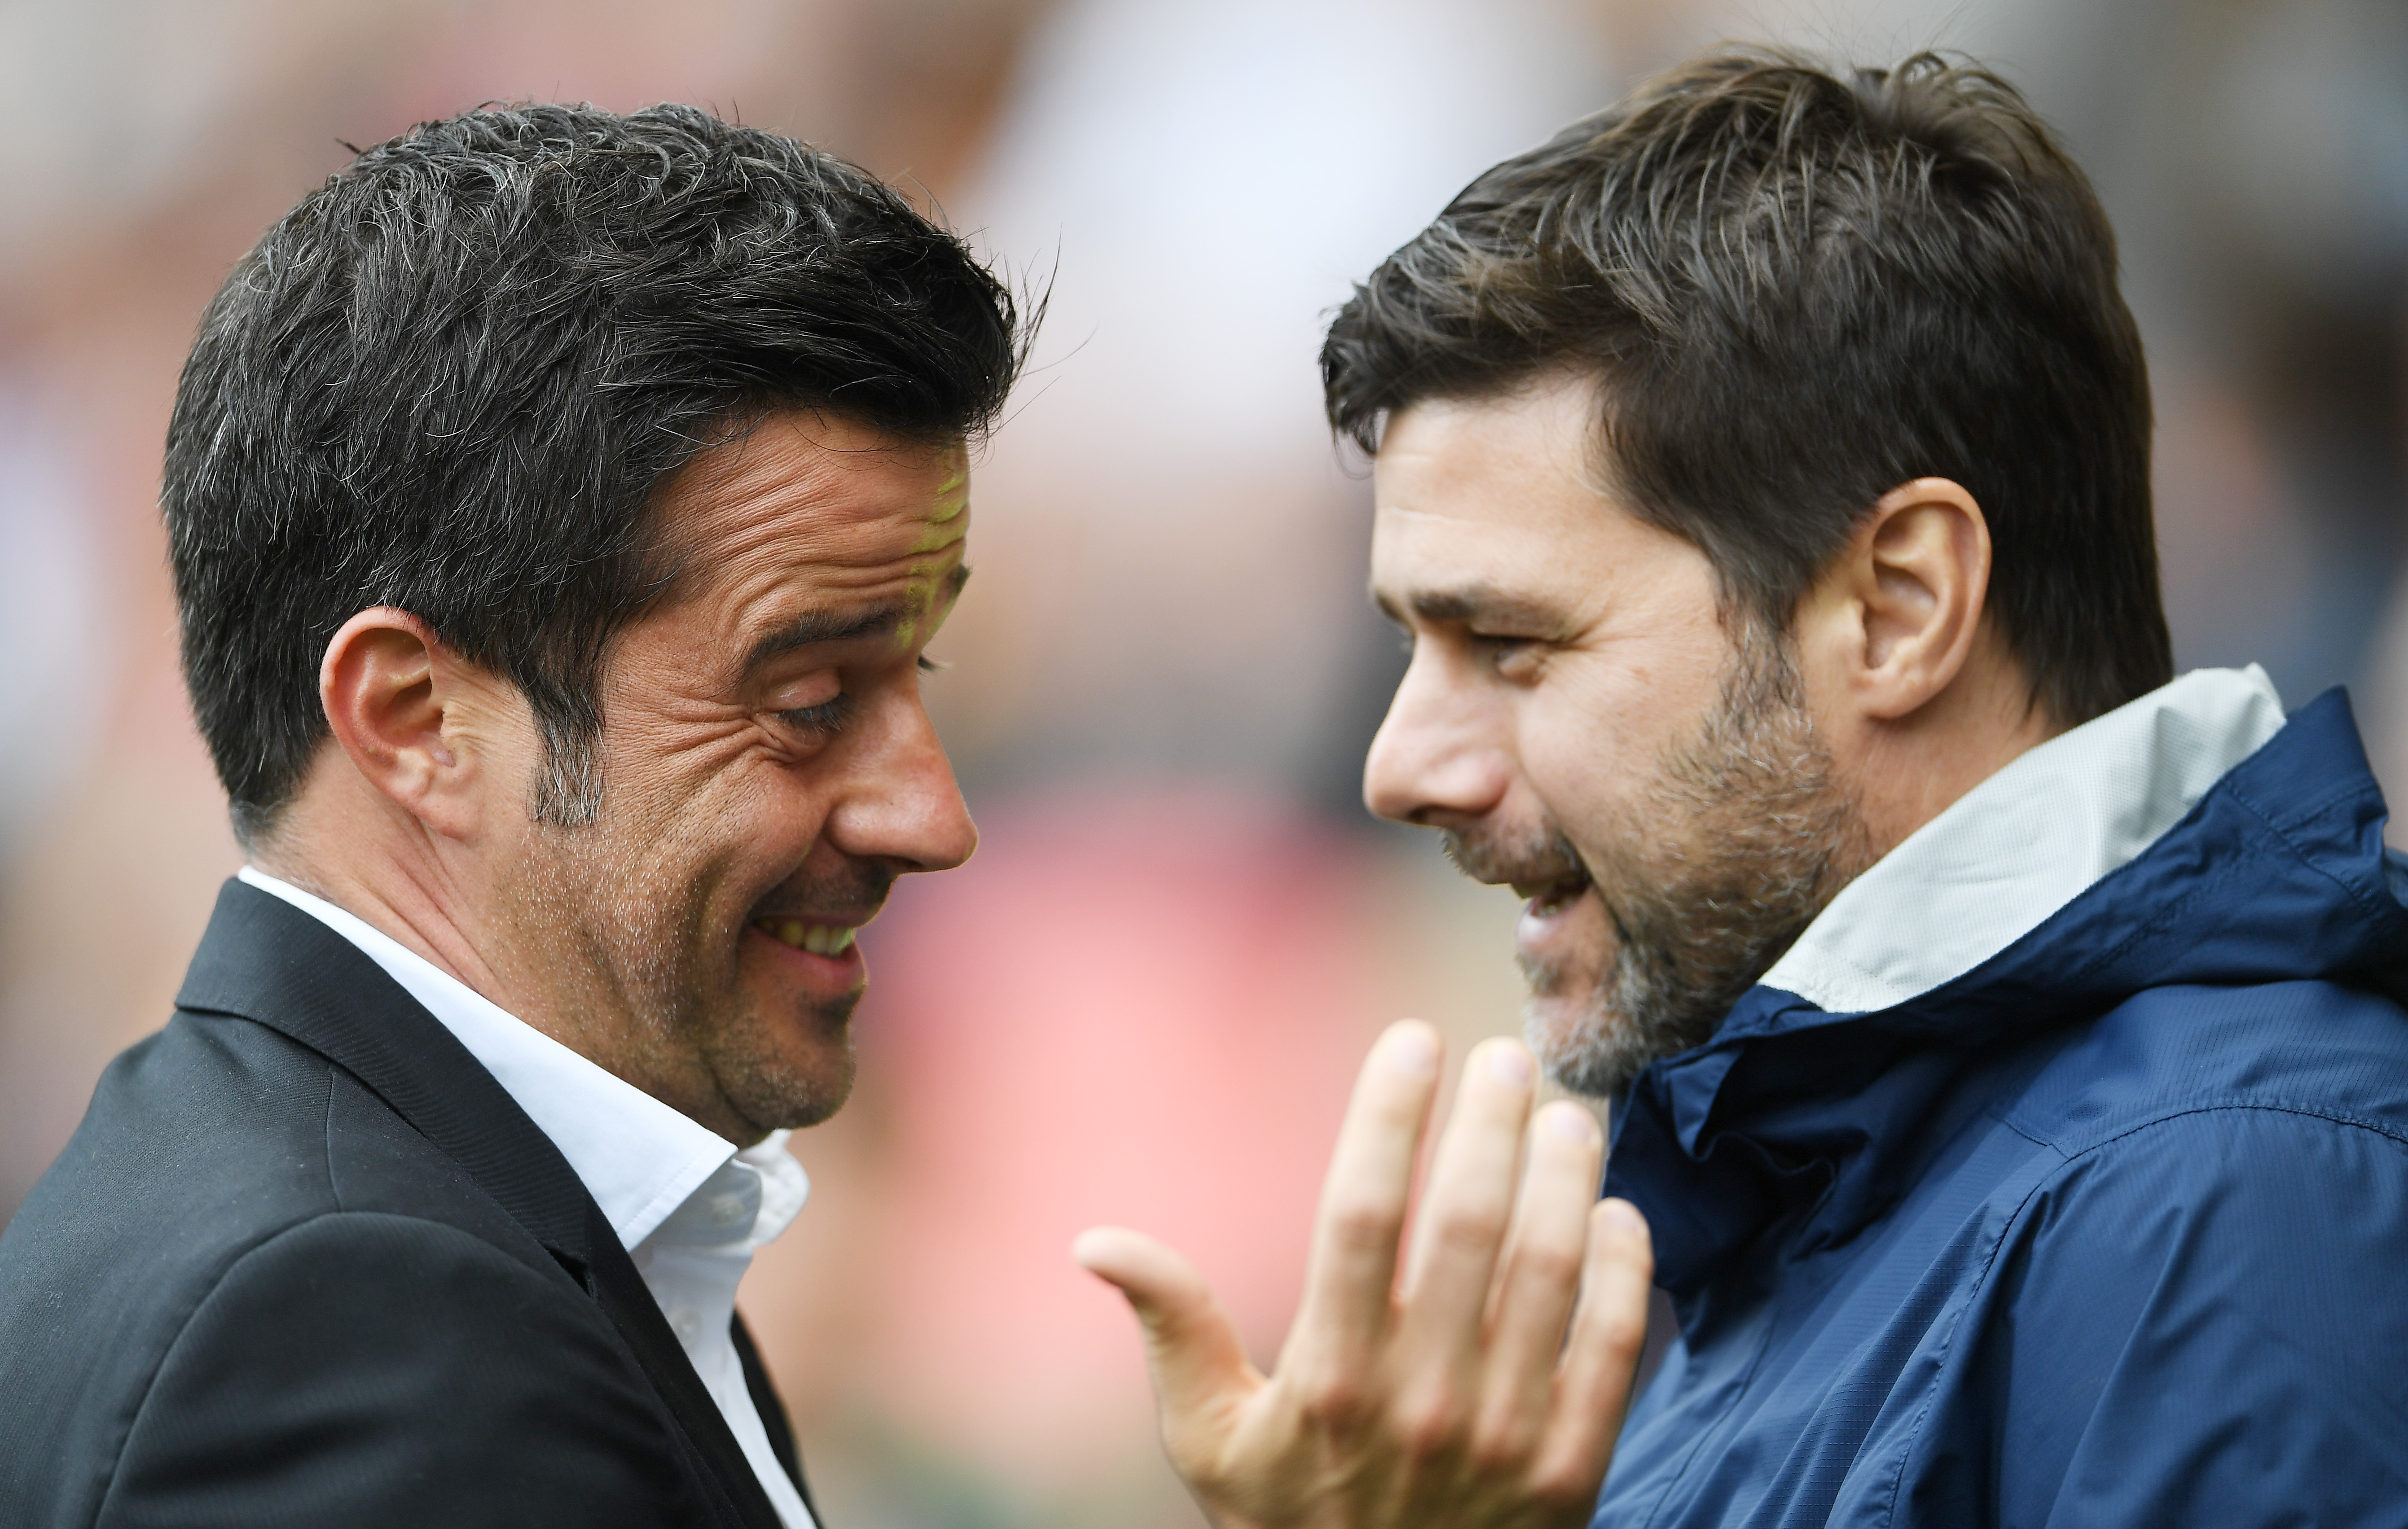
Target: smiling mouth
(1553, 896)
(826, 940)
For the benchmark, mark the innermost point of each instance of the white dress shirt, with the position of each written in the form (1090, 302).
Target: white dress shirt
(690, 1206)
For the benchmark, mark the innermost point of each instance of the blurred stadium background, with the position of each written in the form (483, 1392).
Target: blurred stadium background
(1143, 1001)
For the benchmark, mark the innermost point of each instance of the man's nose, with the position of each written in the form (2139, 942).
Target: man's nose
(907, 808)
(1441, 757)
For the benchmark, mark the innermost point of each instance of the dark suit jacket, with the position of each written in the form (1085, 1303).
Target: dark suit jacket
(306, 1262)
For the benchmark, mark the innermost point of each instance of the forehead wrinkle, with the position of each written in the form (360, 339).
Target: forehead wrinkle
(953, 494)
(884, 618)
(817, 502)
(835, 539)
(860, 551)
(944, 528)
(825, 533)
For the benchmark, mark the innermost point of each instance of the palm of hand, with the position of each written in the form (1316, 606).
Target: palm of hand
(1483, 1389)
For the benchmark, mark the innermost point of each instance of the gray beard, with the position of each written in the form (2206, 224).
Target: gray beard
(1741, 838)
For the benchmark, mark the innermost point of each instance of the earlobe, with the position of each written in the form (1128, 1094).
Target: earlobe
(1918, 570)
(389, 688)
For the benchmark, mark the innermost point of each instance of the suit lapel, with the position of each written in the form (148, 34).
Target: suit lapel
(267, 960)
(631, 1308)
(767, 1402)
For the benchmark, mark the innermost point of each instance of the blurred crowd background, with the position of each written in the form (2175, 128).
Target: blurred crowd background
(1144, 999)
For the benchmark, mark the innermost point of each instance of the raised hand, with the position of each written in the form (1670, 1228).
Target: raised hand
(1450, 1396)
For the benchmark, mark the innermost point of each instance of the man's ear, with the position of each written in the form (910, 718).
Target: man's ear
(394, 697)
(1898, 613)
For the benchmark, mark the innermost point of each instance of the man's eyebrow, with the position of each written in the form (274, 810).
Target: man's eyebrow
(820, 627)
(1473, 603)
(830, 626)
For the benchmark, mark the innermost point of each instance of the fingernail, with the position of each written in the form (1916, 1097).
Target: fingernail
(1626, 1217)
(1509, 1063)
(1411, 1049)
(1569, 1122)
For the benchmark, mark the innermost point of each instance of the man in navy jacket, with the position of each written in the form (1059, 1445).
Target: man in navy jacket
(2005, 1033)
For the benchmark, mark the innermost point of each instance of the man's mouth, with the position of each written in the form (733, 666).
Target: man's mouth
(1555, 938)
(1549, 897)
(825, 940)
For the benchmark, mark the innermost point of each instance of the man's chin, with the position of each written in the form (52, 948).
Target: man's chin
(1562, 1029)
(1584, 1046)
(785, 1086)
(784, 1056)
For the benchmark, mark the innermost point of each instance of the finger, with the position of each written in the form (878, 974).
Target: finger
(1350, 1278)
(1197, 1362)
(1593, 1384)
(1469, 1201)
(1540, 1276)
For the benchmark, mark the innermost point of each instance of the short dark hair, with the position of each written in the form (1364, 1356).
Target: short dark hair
(1799, 292)
(452, 380)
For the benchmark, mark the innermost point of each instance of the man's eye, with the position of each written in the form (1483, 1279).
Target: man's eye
(1510, 656)
(824, 720)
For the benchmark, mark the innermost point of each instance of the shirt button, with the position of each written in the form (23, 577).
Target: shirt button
(687, 1326)
(727, 1209)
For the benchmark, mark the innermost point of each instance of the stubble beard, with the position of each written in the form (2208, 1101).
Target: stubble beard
(641, 924)
(1742, 837)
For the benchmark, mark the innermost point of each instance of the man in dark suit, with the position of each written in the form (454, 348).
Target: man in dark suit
(560, 503)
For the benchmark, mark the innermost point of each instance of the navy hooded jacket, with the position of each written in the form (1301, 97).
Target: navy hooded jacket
(2109, 1226)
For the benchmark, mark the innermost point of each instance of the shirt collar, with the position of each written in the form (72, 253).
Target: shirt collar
(743, 1206)
(639, 1159)
(2026, 841)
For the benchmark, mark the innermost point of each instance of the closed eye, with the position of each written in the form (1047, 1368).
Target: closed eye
(1498, 644)
(1511, 657)
(824, 720)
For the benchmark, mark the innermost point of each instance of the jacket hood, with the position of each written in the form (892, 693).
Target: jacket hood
(2190, 838)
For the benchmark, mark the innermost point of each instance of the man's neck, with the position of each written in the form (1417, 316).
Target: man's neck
(376, 870)
(1907, 772)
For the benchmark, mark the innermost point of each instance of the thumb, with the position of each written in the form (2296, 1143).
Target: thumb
(1191, 1347)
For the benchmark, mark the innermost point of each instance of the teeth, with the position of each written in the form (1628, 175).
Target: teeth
(825, 940)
